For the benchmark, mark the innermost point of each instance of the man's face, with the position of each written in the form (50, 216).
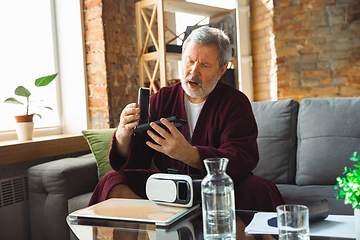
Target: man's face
(200, 71)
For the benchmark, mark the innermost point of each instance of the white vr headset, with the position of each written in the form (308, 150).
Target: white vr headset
(173, 189)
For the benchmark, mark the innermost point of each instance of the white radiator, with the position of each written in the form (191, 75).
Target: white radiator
(14, 208)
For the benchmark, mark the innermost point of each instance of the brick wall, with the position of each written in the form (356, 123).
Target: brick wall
(121, 55)
(317, 48)
(95, 64)
(111, 58)
(263, 50)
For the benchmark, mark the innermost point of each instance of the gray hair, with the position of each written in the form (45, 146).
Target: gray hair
(207, 36)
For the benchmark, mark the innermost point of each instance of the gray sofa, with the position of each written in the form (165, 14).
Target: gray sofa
(303, 148)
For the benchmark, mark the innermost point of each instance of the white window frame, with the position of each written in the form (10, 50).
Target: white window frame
(72, 65)
(244, 49)
(72, 82)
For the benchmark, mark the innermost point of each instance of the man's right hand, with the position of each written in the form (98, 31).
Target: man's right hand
(128, 121)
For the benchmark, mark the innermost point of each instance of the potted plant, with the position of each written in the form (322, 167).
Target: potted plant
(25, 125)
(350, 190)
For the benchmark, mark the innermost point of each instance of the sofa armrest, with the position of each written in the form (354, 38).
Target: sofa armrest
(51, 184)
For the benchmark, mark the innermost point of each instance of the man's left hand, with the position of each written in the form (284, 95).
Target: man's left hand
(173, 144)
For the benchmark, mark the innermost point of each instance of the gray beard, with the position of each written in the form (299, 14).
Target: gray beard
(200, 93)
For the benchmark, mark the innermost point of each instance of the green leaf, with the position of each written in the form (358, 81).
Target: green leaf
(350, 184)
(37, 115)
(22, 92)
(13, 101)
(354, 158)
(49, 108)
(43, 81)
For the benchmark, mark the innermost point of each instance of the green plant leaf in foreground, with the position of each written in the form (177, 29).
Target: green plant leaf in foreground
(13, 101)
(350, 184)
(43, 81)
(22, 92)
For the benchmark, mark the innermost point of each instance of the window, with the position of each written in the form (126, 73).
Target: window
(43, 37)
(28, 52)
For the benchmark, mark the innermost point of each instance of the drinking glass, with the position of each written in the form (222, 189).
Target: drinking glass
(293, 222)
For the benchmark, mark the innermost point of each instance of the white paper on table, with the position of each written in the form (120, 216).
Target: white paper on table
(342, 226)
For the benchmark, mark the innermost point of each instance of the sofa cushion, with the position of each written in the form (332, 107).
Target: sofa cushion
(328, 129)
(79, 202)
(51, 184)
(276, 122)
(99, 142)
(294, 194)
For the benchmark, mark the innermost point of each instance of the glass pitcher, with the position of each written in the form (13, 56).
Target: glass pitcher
(218, 204)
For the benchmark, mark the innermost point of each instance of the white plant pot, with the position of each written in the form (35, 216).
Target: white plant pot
(25, 130)
(357, 223)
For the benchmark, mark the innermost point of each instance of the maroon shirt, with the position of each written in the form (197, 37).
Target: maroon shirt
(226, 127)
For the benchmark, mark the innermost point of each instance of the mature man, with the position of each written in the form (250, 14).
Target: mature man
(220, 124)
